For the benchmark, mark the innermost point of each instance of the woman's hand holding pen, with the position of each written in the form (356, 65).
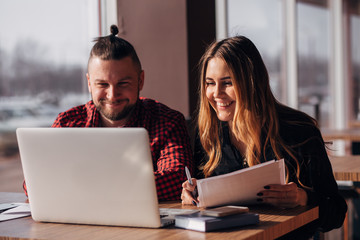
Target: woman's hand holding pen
(187, 197)
(287, 196)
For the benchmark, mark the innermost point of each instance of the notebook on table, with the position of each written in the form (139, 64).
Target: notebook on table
(101, 176)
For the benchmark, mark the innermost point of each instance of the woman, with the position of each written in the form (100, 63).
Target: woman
(241, 124)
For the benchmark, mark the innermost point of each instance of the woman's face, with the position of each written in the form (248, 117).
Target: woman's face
(220, 90)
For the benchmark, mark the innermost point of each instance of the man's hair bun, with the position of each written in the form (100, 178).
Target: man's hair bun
(114, 30)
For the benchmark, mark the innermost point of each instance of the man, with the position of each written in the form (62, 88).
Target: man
(115, 78)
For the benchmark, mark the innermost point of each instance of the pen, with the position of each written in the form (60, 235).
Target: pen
(188, 175)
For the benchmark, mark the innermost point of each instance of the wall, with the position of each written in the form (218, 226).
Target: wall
(157, 29)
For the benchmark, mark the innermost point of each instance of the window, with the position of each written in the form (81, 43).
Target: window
(260, 21)
(321, 71)
(353, 18)
(313, 60)
(44, 48)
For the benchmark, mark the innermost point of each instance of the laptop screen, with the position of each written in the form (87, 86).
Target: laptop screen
(89, 175)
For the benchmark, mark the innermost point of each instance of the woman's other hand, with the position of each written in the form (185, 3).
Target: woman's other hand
(286, 196)
(186, 196)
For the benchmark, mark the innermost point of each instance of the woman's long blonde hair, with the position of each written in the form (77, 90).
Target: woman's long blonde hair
(256, 107)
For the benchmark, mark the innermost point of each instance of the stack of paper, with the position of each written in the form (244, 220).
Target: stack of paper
(240, 187)
(15, 210)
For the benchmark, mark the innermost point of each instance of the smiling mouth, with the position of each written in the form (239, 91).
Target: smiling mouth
(114, 103)
(223, 104)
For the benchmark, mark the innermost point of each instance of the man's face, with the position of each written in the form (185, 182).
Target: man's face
(114, 86)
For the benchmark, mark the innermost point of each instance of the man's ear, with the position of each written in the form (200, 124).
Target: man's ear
(88, 82)
(141, 80)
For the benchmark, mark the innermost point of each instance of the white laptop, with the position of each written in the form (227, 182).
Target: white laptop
(101, 176)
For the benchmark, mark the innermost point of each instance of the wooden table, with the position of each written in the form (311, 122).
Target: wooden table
(273, 223)
(346, 168)
(355, 123)
(349, 134)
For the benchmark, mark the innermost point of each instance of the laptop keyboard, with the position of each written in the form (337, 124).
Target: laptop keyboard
(167, 215)
(167, 221)
(171, 212)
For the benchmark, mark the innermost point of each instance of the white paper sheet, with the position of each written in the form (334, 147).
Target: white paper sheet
(240, 187)
(22, 210)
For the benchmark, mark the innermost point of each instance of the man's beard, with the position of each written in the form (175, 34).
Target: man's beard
(115, 116)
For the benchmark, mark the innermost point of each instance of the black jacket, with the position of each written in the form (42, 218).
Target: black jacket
(316, 171)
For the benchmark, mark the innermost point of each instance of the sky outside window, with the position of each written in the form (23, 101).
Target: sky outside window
(44, 49)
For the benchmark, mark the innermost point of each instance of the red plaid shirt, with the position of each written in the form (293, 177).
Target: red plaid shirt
(169, 140)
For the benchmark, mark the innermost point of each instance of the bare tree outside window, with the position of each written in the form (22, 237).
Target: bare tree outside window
(44, 48)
